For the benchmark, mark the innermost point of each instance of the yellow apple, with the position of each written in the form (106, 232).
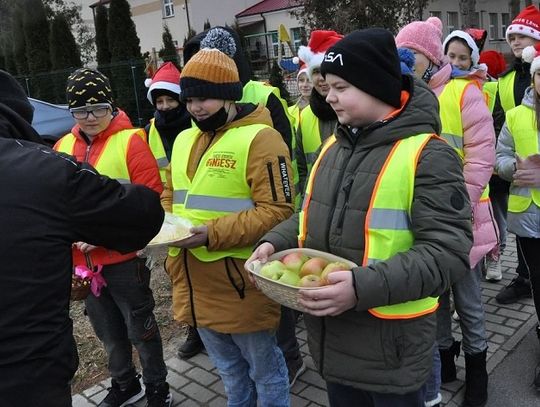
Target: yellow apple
(315, 265)
(330, 268)
(310, 280)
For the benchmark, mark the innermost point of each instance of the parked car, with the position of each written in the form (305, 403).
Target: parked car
(51, 121)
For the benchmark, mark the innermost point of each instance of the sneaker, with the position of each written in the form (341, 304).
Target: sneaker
(158, 396)
(517, 289)
(120, 398)
(295, 369)
(192, 345)
(493, 270)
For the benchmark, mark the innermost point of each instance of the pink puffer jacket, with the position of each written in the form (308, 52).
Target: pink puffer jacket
(479, 155)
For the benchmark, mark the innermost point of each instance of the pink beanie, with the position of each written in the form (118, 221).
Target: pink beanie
(424, 37)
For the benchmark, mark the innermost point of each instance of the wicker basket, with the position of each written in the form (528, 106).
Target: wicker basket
(285, 294)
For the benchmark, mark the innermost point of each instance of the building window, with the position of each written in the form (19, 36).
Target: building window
(505, 22)
(297, 35)
(168, 8)
(452, 21)
(275, 44)
(493, 26)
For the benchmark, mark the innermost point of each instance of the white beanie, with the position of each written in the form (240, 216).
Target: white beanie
(475, 54)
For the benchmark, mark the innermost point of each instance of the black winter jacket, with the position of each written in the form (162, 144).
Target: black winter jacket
(47, 202)
(356, 348)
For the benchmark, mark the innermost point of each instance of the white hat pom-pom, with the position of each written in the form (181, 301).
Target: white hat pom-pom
(528, 54)
(147, 82)
(296, 60)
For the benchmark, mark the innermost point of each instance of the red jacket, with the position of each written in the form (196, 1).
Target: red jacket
(142, 169)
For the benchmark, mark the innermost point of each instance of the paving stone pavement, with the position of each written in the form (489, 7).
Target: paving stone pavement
(195, 382)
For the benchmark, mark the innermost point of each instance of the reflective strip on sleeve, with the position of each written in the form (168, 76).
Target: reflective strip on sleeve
(453, 140)
(214, 203)
(395, 219)
(162, 162)
(179, 196)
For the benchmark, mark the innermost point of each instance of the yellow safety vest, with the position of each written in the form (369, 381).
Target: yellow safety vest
(257, 93)
(219, 186)
(158, 150)
(521, 122)
(506, 91)
(387, 228)
(450, 113)
(311, 135)
(490, 90)
(112, 161)
(294, 112)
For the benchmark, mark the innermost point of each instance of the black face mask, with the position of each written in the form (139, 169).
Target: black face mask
(213, 122)
(169, 116)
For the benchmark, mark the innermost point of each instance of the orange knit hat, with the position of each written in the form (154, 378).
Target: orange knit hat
(210, 74)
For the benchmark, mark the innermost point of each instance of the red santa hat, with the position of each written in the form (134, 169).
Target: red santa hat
(532, 55)
(166, 80)
(303, 69)
(526, 23)
(495, 62)
(319, 42)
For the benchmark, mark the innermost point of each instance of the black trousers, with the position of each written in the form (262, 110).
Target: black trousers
(529, 250)
(346, 396)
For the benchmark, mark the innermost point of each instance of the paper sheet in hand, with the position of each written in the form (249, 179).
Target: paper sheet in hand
(174, 228)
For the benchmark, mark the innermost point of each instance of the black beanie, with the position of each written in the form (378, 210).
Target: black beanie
(368, 60)
(88, 87)
(13, 96)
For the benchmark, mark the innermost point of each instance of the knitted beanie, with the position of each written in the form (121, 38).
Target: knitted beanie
(526, 23)
(210, 74)
(368, 60)
(88, 87)
(13, 96)
(166, 81)
(424, 37)
(473, 48)
(496, 64)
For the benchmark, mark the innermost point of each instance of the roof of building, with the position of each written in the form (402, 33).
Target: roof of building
(266, 6)
(99, 3)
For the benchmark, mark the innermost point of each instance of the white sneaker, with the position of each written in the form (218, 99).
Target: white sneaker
(493, 272)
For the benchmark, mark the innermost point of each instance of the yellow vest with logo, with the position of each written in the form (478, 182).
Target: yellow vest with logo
(257, 93)
(490, 90)
(387, 228)
(521, 122)
(450, 113)
(311, 135)
(506, 91)
(219, 186)
(158, 150)
(112, 160)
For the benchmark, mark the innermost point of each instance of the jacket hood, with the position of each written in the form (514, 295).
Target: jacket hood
(419, 114)
(528, 97)
(476, 73)
(249, 114)
(119, 122)
(13, 125)
(244, 70)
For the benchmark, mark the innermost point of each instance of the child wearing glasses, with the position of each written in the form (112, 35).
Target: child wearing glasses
(122, 315)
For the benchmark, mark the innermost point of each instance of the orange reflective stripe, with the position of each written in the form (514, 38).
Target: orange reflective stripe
(373, 312)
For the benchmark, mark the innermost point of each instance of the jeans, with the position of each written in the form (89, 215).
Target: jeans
(468, 303)
(251, 366)
(286, 335)
(122, 316)
(340, 395)
(499, 203)
(433, 385)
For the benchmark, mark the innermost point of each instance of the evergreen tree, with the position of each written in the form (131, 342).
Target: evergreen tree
(103, 54)
(63, 48)
(207, 25)
(168, 52)
(19, 42)
(191, 33)
(36, 35)
(276, 79)
(123, 41)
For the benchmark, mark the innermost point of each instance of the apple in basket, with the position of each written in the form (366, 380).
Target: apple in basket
(290, 277)
(330, 268)
(294, 261)
(315, 265)
(273, 270)
(311, 280)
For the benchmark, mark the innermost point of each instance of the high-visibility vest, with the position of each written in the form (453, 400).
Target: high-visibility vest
(219, 186)
(490, 90)
(258, 93)
(521, 122)
(387, 227)
(294, 112)
(158, 150)
(451, 122)
(112, 160)
(311, 135)
(506, 91)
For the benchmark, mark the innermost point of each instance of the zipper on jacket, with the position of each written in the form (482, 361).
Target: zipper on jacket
(347, 191)
(184, 255)
(272, 183)
(87, 153)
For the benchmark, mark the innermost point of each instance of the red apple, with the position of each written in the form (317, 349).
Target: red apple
(315, 265)
(330, 268)
(293, 261)
(310, 280)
